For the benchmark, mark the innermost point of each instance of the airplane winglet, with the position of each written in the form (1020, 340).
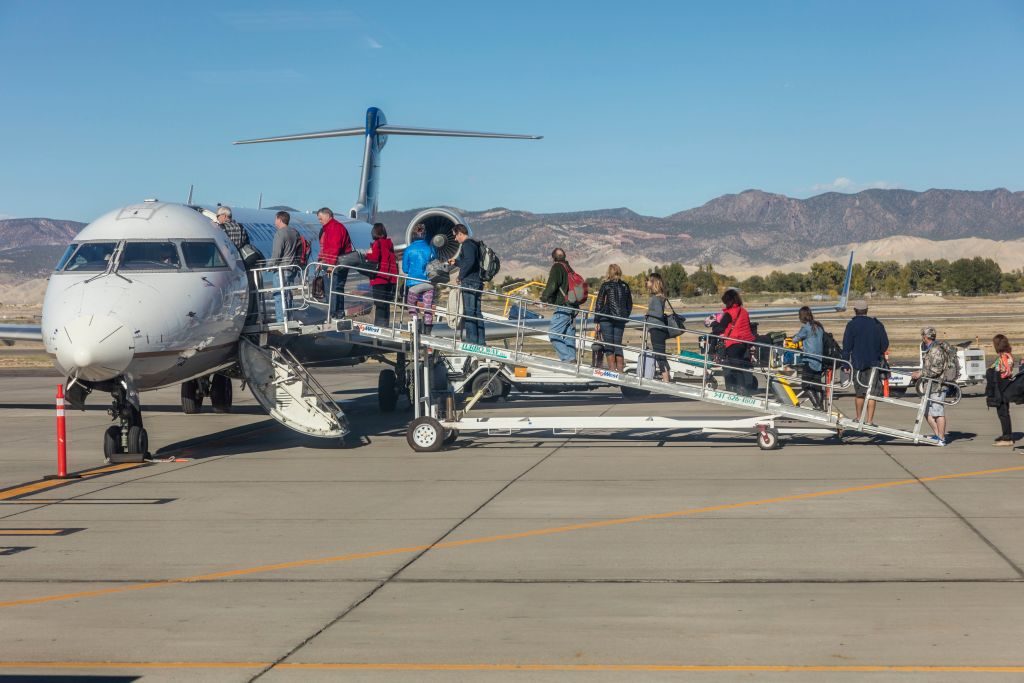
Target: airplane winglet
(846, 285)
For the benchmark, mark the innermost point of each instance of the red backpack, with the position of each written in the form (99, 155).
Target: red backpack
(576, 290)
(304, 250)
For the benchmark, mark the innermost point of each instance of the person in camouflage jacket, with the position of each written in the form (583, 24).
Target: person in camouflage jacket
(933, 366)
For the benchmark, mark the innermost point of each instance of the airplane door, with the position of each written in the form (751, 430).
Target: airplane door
(289, 393)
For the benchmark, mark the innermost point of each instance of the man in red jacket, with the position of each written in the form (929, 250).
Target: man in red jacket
(334, 243)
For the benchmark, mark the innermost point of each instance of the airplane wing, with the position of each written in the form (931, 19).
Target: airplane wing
(13, 333)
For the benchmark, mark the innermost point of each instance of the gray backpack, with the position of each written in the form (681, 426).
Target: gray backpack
(951, 368)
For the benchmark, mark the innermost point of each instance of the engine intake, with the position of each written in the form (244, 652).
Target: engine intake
(438, 221)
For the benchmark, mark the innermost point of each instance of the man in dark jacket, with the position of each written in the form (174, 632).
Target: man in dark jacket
(468, 261)
(334, 244)
(562, 332)
(864, 345)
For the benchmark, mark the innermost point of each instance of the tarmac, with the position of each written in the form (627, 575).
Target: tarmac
(262, 554)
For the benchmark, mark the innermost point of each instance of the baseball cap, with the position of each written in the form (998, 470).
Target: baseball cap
(859, 305)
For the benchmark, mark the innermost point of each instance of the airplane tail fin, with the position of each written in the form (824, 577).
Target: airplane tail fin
(377, 131)
(845, 294)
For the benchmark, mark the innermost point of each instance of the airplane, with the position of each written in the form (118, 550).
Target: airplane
(153, 294)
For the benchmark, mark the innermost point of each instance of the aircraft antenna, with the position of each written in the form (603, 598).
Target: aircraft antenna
(190, 188)
(259, 204)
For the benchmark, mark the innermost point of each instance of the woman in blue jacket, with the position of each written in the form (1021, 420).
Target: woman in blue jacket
(812, 334)
(419, 295)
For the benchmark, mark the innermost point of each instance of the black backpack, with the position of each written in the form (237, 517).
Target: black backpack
(830, 348)
(490, 264)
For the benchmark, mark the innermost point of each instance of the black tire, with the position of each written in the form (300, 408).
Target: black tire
(191, 401)
(425, 435)
(712, 383)
(897, 392)
(494, 387)
(387, 391)
(138, 440)
(768, 440)
(451, 436)
(630, 392)
(221, 393)
(112, 442)
(506, 389)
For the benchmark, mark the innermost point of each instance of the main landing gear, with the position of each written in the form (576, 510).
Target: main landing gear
(217, 387)
(128, 442)
(392, 383)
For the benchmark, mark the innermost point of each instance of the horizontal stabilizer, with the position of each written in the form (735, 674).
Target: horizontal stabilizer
(438, 132)
(339, 133)
(389, 130)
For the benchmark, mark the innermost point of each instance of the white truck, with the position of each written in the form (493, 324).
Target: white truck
(972, 369)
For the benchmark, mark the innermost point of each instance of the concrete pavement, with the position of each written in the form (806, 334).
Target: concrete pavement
(265, 555)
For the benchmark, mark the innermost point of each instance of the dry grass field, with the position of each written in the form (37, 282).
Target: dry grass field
(956, 318)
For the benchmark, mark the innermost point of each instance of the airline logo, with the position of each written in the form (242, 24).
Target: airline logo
(486, 351)
(735, 398)
(366, 328)
(606, 374)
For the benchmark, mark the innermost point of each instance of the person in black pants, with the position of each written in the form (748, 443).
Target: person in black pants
(1004, 375)
(657, 330)
(613, 299)
(468, 260)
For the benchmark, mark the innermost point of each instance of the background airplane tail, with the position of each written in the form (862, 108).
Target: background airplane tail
(377, 131)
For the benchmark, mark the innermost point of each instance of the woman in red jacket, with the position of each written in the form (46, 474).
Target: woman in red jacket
(382, 283)
(734, 325)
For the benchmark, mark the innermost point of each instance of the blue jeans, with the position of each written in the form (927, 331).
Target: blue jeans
(472, 316)
(338, 279)
(562, 333)
(279, 307)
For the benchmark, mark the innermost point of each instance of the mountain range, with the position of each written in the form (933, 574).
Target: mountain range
(752, 231)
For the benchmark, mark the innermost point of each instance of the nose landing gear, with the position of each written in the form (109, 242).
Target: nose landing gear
(128, 442)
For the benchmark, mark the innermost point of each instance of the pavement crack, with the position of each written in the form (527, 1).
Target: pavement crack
(977, 532)
(394, 575)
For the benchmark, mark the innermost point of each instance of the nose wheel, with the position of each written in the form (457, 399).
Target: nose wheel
(128, 442)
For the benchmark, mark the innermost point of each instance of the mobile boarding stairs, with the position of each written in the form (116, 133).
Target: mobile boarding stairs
(782, 405)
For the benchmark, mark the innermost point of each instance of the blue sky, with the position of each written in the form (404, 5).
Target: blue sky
(655, 106)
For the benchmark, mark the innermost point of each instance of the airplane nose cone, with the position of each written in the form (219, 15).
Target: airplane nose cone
(95, 348)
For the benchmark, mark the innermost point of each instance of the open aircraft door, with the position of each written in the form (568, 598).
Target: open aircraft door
(289, 393)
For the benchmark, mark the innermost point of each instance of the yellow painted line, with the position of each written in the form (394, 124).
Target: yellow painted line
(45, 484)
(233, 573)
(639, 668)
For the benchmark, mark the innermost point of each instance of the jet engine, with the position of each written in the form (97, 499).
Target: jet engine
(439, 221)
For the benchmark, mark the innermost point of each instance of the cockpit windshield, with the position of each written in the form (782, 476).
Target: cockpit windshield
(89, 257)
(202, 255)
(150, 256)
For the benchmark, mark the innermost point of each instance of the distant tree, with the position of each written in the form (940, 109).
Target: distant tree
(827, 276)
(752, 285)
(1012, 282)
(876, 273)
(858, 282)
(675, 278)
(704, 280)
(975, 276)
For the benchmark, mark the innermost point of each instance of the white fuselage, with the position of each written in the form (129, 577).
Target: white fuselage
(140, 294)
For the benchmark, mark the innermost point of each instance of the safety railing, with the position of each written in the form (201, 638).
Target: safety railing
(283, 287)
(395, 310)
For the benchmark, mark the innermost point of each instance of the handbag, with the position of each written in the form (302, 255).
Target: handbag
(674, 322)
(317, 288)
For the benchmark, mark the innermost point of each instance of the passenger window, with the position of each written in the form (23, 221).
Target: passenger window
(202, 255)
(90, 257)
(150, 256)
